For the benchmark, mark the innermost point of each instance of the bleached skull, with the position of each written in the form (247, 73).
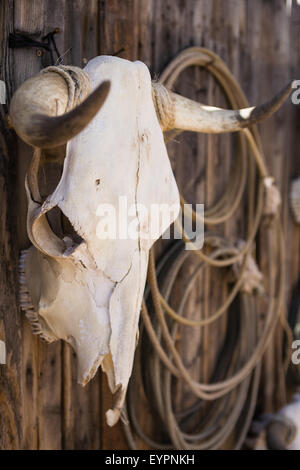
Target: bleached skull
(88, 291)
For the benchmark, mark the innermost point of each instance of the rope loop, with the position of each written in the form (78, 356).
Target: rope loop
(221, 401)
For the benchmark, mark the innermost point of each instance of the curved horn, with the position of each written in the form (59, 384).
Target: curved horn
(37, 110)
(176, 112)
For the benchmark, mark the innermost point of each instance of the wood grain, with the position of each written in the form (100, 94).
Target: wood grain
(10, 322)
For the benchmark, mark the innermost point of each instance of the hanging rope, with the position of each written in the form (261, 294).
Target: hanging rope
(224, 404)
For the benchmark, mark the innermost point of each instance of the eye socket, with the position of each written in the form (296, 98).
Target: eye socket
(62, 227)
(49, 228)
(69, 230)
(49, 175)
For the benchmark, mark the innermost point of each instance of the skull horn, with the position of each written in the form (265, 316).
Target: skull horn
(38, 110)
(176, 112)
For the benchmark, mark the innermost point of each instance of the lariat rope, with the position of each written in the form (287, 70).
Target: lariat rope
(225, 404)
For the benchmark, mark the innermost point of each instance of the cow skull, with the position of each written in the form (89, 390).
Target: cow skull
(88, 290)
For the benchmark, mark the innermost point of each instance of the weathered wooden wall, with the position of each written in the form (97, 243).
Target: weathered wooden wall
(41, 406)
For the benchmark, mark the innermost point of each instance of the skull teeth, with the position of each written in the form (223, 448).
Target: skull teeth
(26, 302)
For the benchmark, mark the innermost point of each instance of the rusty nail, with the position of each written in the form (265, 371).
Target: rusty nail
(39, 53)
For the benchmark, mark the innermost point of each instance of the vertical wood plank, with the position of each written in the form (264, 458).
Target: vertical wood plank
(42, 364)
(10, 332)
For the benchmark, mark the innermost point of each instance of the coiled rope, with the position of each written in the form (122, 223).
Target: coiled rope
(224, 406)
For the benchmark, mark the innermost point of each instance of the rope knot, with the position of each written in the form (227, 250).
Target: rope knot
(251, 276)
(163, 106)
(272, 197)
(77, 80)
